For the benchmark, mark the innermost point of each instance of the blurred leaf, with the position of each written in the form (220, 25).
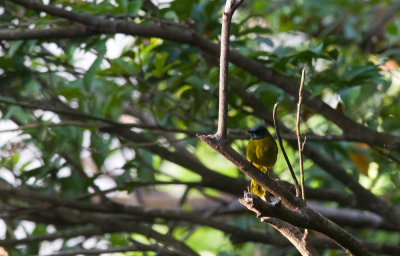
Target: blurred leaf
(392, 29)
(264, 40)
(357, 75)
(196, 81)
(73, 185)
(182, 8)
(256, 30)
(14, 47)
(350, 95)
(134, 7)
(89, 75)
(360, 161)
(334, 53)
(119, 239)
(102, 147)
(145, 171)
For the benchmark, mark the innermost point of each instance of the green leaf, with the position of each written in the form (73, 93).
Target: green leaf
(392, 29)
(120, 66)
(182, 8)
(14, 46)
(89, 76)
(71, 92)
(40, 229)
(182, 90)
(101, 147)
(196, 81)
(159, 64)
(145, 171)
(123, 4)
(19, 114)
(73, 185)
(333, 54)
(360, 74)
(256, 29)
(15, 158)
(264, 40)
(350, 95)
(134, 7)
(118, 239)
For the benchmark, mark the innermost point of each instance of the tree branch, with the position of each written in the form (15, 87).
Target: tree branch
(50, 237)
(137, 247)
(126, 214)
(300, 145)
(364, 198)
(293, 234)
(293, 204)
(230, 7)
(134, 212)
(353, 130)
(54, 33)
(230, 185)
(307, 218)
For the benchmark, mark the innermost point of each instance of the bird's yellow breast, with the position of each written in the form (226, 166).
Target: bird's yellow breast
(262, 152)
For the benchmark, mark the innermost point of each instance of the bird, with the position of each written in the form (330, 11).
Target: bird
(262, 152)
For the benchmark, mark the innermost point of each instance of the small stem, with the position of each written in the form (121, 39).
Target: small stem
(299, 143)
(296, 184)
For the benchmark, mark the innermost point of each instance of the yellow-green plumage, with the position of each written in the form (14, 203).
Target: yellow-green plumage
(262, 152)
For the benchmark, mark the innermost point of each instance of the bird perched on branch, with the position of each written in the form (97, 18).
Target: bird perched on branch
(262, 152)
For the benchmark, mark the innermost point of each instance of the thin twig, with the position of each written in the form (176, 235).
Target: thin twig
(230, 7)
(31, 22)
(299, 143)
(132, 248)
(48, 125)
(304, 143)
(295, 182)
(156, 143)
(53, 236)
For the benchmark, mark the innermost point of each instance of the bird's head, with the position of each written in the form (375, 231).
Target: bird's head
(258, 132)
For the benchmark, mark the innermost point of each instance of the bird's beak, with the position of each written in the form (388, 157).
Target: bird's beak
(249, 131)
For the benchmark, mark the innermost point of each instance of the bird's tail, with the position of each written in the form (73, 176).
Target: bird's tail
(256, 188)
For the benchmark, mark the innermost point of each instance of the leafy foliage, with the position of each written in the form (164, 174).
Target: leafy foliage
(120, 112)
